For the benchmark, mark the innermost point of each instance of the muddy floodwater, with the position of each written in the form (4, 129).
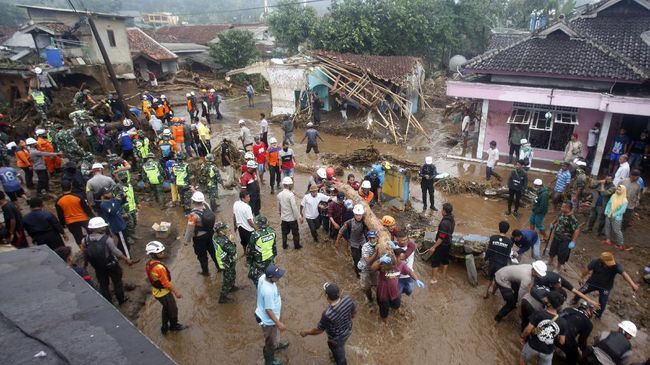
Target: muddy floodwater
(448, 323)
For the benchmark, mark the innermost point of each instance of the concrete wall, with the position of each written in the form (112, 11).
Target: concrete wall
(499, 130)
(284, 81)
(169, 66)
(119, 55)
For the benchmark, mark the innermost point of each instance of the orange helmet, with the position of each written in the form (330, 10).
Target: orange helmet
(387, 221)
(176, 119)
(330, 172)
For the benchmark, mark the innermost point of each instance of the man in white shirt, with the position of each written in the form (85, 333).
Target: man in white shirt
(309, 209)
(245, 136)
(623, 171)
(592, 143)
(264, 129)
(243, 218)
(289, 214)
(492, 159)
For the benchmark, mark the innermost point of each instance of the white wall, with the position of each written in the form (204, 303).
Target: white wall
(284, 82)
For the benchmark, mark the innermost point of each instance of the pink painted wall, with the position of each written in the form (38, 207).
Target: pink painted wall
(498, 130)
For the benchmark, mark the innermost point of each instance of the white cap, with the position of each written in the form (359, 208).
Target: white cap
(40, 131)
(97, 222)
(428, 160)
(166, 131)
(127, 122)
(628, 327)
(188, 95)
(38, 70)
(539, 267)
(154, 247)
(249, 156)
(581, 163)
(251, 164)
(273, 140)
(365, 184)
(310, 124)
(163, 96)
(287, 180)
(358, 209)
(30, 141)
(241, 121)
(322, 173)
(198, 197)
(523, 141)
(212, 90)
(97, 165)
(538, 182)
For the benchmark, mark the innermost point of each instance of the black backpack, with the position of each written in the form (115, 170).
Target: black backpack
(207, 220)
(97, 253)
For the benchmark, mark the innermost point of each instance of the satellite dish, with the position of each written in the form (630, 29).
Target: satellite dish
(456, 62)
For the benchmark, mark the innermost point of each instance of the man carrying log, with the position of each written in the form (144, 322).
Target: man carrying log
(354, 231)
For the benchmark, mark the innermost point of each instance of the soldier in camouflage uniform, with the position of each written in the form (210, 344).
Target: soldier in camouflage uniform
(123, 191)
(86, 122)
(65, 142)
(182, 178)
(225, 252)
(119, 168)
(261, 250)
(565, 230)
(86, 167)
(4, 153)
(209, 179)
(153, 174)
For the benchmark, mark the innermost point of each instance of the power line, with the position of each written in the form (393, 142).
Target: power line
(255, 8)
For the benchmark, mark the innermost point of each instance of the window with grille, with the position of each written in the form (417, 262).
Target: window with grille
(546, 133)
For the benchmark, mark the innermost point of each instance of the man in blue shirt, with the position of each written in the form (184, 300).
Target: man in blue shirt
(562, 180)
(269, 306)
(11, 183)
(526, 239)
(620, 145)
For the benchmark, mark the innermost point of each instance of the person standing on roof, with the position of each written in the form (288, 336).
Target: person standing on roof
(427, 173)
(312, 136)
(162, 288)
(289, 214)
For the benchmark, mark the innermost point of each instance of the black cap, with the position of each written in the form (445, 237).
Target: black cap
(332, 291)
(552, 277)
(340, 196)
(273, 271)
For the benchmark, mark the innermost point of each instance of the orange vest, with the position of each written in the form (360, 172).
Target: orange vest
(160, 111)
(189, 105)
(179, 133)
(166, 107)
(22, 159)
(44, 145)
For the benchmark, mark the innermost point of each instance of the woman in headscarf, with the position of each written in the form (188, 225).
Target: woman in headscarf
(614, 218)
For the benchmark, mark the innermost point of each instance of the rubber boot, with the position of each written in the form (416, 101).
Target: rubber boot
(269, 359)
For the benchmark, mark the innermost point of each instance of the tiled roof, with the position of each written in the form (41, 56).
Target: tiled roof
(199, 34)
(603, 43)
(555, 55)
(502, 40)
(141, 43)
(6, 32)
(55, 28)
(390, 68)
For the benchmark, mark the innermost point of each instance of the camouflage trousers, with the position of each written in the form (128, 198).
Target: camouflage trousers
(229, 276)
(186, 198)
(156, 190)
(212, 195)
(257, 269)
(131, 221)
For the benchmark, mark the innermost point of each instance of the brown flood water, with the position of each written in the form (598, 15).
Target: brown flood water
(448, 323)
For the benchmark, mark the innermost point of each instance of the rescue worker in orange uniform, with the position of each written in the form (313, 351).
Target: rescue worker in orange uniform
(44, 145)
(178, 132)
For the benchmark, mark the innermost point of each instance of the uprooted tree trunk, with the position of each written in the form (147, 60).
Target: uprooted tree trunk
(369, 218)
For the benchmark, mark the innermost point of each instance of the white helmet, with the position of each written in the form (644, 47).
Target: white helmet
(538, 182)
(188, 95)
(30, 141)
(97, 166)
(192, 93)
(40, 131)
(428, 160)
(287, 180)
(154, 247)
(628, 327)
(365, 184)
(272, 140)
(163, 96)
(251, 164)
(212, 90)
(241, 121)
(144, 97)
(198, 197)
(166, 131)
(540, 267)
(127, 122)
(322, 173)
(97, 222)
(249, 156)
(358, 209)
(310, 124)
(155, 100)
(523, 141)
(38, 70)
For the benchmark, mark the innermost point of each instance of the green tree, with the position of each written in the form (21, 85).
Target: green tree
(235, 49)
(291, 24)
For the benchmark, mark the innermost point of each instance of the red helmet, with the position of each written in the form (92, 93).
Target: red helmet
(330, 172)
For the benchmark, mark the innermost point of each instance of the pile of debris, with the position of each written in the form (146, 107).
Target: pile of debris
(371, 93)
(365, 157)
(235, 156)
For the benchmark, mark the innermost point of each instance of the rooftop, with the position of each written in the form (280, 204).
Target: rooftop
(394, 69)
(605, 42)
(60, 10)
(199, 34)
(140, 42)
(53, 28)
(47, 307)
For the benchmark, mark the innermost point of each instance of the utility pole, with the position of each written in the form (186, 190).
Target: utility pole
(108, 64)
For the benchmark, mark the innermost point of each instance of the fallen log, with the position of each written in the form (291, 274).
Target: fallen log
(369, 218)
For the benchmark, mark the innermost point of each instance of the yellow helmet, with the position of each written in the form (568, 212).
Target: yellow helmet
(387, 220)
